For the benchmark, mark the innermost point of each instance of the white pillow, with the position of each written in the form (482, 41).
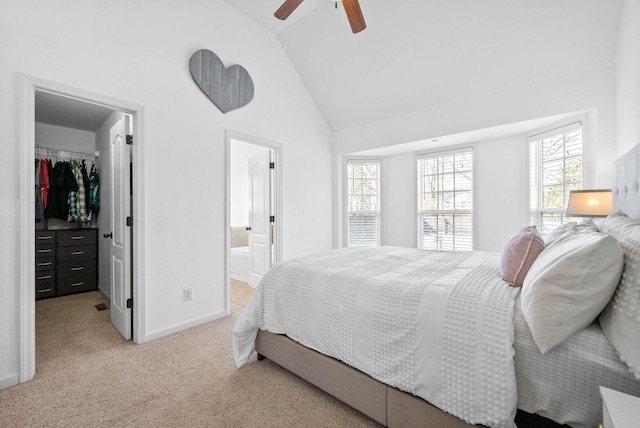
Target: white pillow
(568, 285)
(620, 320)
(570, 228)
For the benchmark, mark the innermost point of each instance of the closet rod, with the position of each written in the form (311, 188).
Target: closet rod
(63, 153)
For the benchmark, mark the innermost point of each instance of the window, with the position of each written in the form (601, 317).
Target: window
(363, 202)
(445, 201)
(555, 168)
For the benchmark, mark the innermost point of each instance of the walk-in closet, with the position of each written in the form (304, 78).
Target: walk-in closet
(74, 160)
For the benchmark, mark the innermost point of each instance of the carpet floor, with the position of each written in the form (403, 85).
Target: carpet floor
(88, 376)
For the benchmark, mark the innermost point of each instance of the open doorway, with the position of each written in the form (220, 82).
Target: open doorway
(52, 111)
(253, 226)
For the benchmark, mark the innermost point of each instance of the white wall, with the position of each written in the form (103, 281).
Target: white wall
(591, 90)
(399, 194)
(628, 77)
(499, 200)
(139, 52)
(65, 138)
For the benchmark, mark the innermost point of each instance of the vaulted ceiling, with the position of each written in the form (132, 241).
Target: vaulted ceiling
(416, 54)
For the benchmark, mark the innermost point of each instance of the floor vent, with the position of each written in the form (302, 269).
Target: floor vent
(101, 306)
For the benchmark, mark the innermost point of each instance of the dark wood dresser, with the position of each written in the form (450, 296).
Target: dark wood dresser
(45, 263)
(66, 262)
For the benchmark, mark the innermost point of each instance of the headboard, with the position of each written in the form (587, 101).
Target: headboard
(626, 183)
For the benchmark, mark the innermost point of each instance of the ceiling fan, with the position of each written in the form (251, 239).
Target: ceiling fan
(351, 7)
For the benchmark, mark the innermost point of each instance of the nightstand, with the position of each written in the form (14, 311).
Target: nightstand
(619, 410)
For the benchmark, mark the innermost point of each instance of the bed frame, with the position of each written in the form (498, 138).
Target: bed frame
(390, 406)
(384, 404)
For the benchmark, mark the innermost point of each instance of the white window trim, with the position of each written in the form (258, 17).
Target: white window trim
(548, 131)
(345, 198)
(450, 150)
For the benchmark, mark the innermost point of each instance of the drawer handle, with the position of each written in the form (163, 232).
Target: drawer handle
(77, 237)
(42, 238)
(48, 250)
(45, 263)
(77, 284)
(46, 290)
(78, 268)
(77, 253)
(45, 277)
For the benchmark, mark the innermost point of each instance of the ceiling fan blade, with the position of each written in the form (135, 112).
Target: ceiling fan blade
(354, 15)
(287, 8)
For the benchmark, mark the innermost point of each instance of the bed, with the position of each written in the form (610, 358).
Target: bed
(417, 338)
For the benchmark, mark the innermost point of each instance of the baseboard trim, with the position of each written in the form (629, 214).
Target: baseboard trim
(104, 294)
(8, 381)
(184, 326)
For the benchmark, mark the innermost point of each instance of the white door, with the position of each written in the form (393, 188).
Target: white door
(120, 260)
(259, 216)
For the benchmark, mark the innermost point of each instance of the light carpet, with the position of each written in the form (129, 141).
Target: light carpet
(88, 376)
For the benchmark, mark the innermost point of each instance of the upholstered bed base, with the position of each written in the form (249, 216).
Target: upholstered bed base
(384, 404)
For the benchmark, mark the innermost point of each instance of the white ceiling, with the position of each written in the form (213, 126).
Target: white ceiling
(416, 54)
(69, 113)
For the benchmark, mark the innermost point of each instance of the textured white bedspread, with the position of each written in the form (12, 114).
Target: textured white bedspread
(437, 325)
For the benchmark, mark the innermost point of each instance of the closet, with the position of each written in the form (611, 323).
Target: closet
(67, 204)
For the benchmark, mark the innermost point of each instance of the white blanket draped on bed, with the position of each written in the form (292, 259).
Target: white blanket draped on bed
(435, 324)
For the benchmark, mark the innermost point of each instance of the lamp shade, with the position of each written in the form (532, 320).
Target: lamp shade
(589, 203)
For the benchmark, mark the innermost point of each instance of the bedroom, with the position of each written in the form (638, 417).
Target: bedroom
(139, 53)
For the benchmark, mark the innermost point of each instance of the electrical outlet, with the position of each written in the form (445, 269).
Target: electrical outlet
(186, 294)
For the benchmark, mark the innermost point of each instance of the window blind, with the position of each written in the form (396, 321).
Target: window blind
(363, 203)
(555, 168)
(445, 201)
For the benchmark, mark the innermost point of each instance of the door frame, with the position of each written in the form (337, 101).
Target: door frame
(276, 195)
(29, 86)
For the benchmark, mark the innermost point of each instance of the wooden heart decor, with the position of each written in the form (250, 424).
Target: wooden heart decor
(229, 88)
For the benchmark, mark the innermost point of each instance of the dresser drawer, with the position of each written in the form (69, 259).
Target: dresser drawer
(45, 237)
(77, 237)
(45, 284)
(75, 268)
(45, 250)
(45, 263)
(45, 277)
(45, 290)
(75, 284)
(76, 252)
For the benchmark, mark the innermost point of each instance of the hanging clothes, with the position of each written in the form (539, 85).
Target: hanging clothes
(73, 199)
(39, 207)
(94, 193)
(66, 191)
(85, 183)
(44, 181)
(65, 182)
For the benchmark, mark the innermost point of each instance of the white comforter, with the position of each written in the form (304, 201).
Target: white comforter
(437, 325)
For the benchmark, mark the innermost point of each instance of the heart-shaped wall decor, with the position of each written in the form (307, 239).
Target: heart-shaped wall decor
(228, 88)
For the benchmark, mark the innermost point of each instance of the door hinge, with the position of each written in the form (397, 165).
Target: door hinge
(129, 221)
(129, 139)
(272, 219)
(129, 303)
(272, 165)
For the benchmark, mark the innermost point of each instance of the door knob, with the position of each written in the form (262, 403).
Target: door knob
(108, 235)
(248, 228)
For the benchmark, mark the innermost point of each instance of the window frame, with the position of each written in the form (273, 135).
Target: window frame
(467, 148)
(540, 134)
(346, 212)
